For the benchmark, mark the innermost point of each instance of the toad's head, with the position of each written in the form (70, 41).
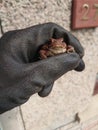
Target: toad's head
(57, 46)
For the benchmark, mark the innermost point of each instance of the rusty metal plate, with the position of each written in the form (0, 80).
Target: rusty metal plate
(84, 14)
(96, 86)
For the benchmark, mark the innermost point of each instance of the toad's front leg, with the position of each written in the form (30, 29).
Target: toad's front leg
(43, 54)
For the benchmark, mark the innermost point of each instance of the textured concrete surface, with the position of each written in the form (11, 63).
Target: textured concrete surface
(91, 111)
(12, 120)
(73, 91)
(88, 118)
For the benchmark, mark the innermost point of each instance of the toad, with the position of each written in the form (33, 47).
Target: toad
(54, 47)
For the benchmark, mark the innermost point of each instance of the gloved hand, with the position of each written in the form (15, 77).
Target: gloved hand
(22, 74)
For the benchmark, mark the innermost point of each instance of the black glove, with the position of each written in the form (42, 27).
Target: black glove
(22, 73)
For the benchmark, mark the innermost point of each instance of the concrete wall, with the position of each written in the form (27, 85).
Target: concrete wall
(73, 91)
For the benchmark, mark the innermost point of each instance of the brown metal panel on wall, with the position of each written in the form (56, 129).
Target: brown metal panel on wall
(84, 14)
(96, 86)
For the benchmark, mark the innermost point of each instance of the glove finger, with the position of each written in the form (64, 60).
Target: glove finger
(46, 71)
(46, 90)
(69, 39)
(81, 66)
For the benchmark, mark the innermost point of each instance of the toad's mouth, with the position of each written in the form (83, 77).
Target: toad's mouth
(58, 50)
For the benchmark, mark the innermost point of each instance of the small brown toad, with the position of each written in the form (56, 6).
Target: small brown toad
(54, 47)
